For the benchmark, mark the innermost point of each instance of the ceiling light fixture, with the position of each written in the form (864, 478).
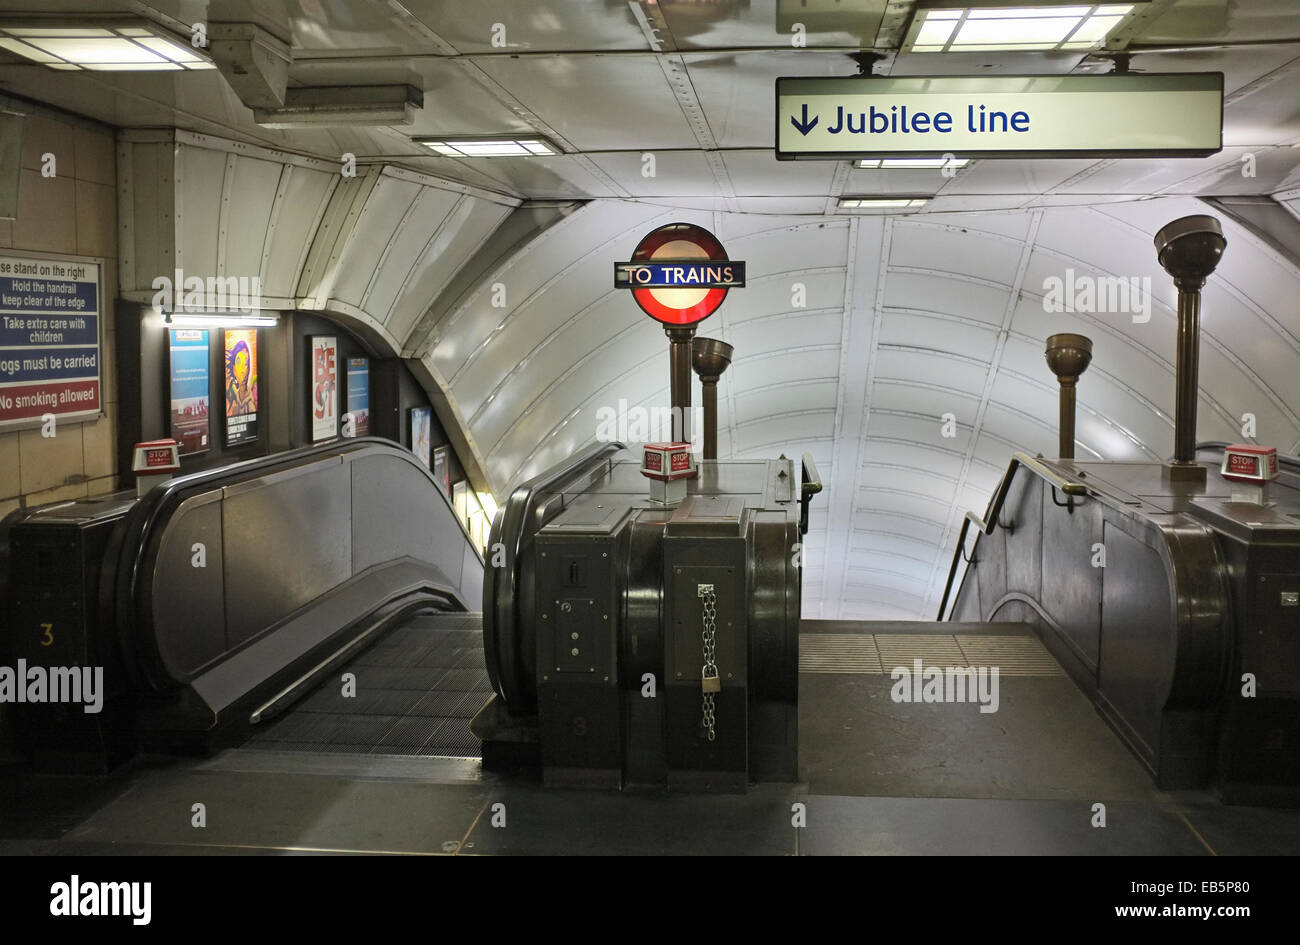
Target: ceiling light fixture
(882, 203)
(910, 163)
(218, 320)
(1006, 25)
(343, 105)
(494, 146)
(135, 46)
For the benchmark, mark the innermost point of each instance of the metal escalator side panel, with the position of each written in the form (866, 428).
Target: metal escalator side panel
(1049, 473)
(1134, 604)
(1204, 608)
(774, 585)
(133, 613)
(501, 589)
(509, 643)
(1164, 631)
(188, 593)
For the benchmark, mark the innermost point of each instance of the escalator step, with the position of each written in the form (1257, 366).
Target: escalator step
(416, 690)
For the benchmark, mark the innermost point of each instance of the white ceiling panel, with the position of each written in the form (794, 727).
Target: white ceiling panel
(933, 398)
(457, 237)
(777, 333)
(918, 428)
(926, 482)
(1013, 177)
(672, 173)
(423, 221)
(904, 364)
(942, 294)
(199, 170)
(536, 25)
(736, 90)
(374, 229)
(795, 365)
(755, 174)
(992, 260)
(760, 401)
(935, 333)
(611, 90)
(920, 529)
(305, 193)
(250, 196)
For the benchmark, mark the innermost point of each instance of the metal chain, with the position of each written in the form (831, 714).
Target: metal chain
(710, 639)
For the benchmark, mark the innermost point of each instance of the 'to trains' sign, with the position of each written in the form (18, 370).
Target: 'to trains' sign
(679, 274)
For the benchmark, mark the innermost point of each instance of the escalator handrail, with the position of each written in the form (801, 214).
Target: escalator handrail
(986, 524)
(150, 514)
(501, 584)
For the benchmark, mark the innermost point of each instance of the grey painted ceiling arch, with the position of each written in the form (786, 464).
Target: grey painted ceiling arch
(904, 320)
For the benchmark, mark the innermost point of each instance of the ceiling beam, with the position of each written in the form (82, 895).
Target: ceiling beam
(864, 278)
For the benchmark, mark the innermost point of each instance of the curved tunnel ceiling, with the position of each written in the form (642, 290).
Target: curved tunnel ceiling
(905, 319)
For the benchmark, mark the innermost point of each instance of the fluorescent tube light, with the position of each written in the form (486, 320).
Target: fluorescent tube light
(910, 163)
(493, 146)
(112, 47)
(219, 320)
(881, 203)
(985, 28)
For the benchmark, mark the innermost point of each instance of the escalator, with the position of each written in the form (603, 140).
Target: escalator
(1171, 605)
(219, 599)
(414, 694)
(324, 601)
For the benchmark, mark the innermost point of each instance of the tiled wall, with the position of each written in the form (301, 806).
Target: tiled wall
(73, 213)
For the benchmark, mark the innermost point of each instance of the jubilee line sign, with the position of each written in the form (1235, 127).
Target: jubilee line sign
(1147, 115)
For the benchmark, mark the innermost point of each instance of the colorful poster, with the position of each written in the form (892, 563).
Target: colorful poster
(442, 469)
(421, 418)
(324, 388)
(49, 340)
(190, 390)
(357, 419)
(241, 385)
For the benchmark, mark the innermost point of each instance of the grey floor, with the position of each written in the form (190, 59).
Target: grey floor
(878, 777)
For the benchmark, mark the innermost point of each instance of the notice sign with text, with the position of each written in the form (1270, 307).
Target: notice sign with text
(324, 388)
(49, 340)
(1138, 115)
(190, 390)
(359, 396)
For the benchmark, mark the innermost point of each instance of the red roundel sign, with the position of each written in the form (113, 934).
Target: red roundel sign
(679, 274)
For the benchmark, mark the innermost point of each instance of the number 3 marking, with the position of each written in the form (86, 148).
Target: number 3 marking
(48, 638)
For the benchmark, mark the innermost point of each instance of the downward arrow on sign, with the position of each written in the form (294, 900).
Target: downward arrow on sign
(805, 126)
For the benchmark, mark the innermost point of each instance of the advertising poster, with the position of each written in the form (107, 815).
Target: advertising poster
(240, 348)
(190, 391)
(442, 469)
(420, 423)
(358, 397)
(324, 388)
(49, 340)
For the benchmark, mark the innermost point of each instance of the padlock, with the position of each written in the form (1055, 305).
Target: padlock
(711, 683)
